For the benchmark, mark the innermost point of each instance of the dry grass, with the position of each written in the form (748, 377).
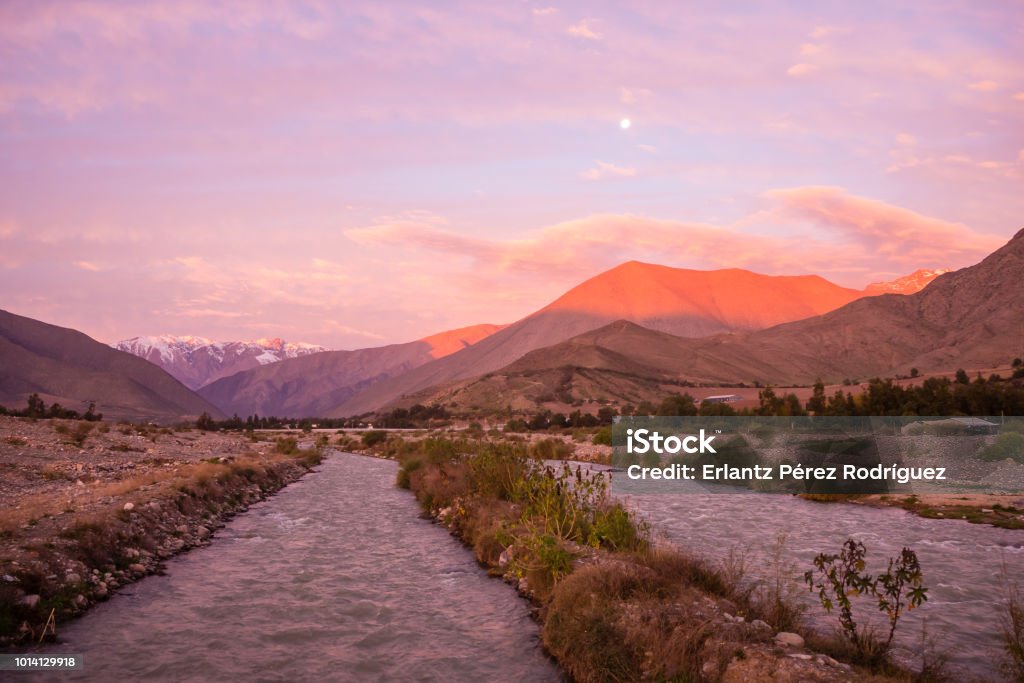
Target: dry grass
(646, 617)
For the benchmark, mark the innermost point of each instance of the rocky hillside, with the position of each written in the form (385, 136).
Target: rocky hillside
(70, 368)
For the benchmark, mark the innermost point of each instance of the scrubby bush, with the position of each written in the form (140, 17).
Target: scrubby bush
(1007, 445)
(374, 437)
(286, 445)
(603, 437)
(552, 449)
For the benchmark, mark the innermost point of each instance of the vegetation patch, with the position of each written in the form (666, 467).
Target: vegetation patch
(613, 605)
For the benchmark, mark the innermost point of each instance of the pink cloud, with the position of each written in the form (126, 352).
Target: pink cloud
(890, 232)
(850, 237)
(603, 170)
(584, 29)
(801, 69)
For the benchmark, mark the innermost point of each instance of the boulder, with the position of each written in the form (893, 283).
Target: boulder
(787, 639)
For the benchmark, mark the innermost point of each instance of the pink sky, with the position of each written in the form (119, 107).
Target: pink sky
(353, 175)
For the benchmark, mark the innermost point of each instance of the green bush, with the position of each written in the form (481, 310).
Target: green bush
(1007, 445)
(603, 437)
(404, 480)
(374, 437)
(286, 445)
(552, 449)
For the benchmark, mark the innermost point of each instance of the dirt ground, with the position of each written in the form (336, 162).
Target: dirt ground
(87, 507)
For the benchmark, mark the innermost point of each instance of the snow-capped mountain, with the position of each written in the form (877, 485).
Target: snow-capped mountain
(196, 361)
(908, 284)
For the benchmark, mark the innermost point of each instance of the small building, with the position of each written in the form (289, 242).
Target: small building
(722, 398)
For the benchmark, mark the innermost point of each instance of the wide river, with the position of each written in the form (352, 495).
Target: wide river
(338, 578)
(335, 578)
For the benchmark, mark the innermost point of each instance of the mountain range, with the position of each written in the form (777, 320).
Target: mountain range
(971, 318)
(677, 301)
(625, 334)
(316, 384)
(196, 361)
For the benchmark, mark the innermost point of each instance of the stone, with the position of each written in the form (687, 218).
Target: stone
(787, 639)
(31, 601)
(128, 507)
(73, 578)
(761, 627)
(80, 600)
(505, 558)
(137, 568)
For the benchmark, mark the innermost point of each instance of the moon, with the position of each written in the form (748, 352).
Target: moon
(625, 123)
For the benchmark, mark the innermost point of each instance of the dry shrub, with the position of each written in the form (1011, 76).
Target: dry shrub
(437, 485)
(484, 529)
(627, 621)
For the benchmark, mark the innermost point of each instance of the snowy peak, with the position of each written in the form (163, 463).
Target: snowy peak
(908, 284)
(197, 361)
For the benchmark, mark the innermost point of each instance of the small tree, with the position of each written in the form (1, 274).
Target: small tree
(914, 372)
(816, 403)
(206, 423)
(842, 577)
(35, 407)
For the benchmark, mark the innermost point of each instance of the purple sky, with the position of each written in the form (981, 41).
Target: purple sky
(353, 175)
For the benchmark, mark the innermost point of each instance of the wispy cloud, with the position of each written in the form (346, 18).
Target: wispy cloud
(603, 170)
(584, 29)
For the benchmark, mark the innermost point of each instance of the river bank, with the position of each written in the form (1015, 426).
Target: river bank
(613, 604)
(88, 508)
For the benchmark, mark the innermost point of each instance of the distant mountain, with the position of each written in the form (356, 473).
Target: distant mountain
(66, 366)
(312, 385)
(621, 362)
(909, 284)
(196, 361)
(970, 318)
(682, 302)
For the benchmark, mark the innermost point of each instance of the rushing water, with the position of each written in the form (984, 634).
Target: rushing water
(336, 578)
(961, 562)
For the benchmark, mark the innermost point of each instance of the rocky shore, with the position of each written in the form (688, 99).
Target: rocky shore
(87, 508)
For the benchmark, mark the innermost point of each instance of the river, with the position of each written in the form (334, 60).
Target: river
(335, 578)
(961, 562)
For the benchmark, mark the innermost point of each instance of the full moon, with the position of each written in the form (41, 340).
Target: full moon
(624, 124)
